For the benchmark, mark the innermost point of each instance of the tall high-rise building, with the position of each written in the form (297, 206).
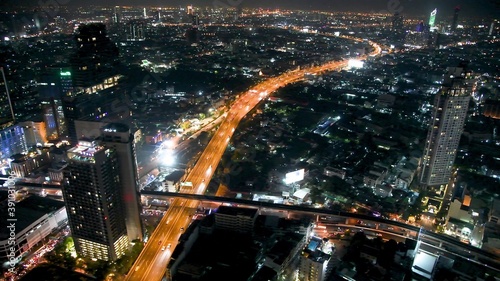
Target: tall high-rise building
(159, 15)
(432, 18)
(420, 27)
(135, 30)
(119, 137)
(397, 22)
(454, 23)
(193, 34)
(491, 32)
(236, 219)
(12, 141)
(22, 94)
(53, 85)
(93, 199)
(446, 127)
(95, 80)
(12, 137)
(7, 116)
(94, 104)
(96, 58)
(116, 14)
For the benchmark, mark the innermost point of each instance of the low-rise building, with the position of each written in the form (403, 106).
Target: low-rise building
(385, 101)
(459, 221)
(235, 219)
(314, 262)
(171, 182)
(23, 164)
(284, 251)
(36, 218)
(334, 172)
(372, 180)
(56, 171)
(383, 190)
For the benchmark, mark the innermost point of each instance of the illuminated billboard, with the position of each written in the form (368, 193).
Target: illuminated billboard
(294, 176)
(353, 63)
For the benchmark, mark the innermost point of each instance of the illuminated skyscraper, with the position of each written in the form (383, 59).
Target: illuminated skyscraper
(94, 203)
(445, 130)
(432, 18)
(492, 27)
(119, 137)
(53, 85)
(23, 97)
(116, 14)
(135, 30)
(12, 137)
(12, 141)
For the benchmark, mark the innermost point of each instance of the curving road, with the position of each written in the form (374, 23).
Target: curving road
(152, 262)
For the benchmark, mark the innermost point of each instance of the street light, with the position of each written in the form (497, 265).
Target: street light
(169, 161)
(168, 158)
(169, 144)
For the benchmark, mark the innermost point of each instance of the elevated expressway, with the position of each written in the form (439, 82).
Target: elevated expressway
(436, 240)
(153, 260)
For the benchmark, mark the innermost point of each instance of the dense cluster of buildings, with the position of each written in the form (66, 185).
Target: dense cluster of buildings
(78, 122)
(93, 162)
(248, 246)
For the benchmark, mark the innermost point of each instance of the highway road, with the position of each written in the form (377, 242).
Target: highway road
(153, 260)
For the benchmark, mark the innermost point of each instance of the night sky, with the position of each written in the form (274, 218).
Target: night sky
(489, 8)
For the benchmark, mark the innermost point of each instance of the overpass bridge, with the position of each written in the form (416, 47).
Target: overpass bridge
(432, 238)
(477, 255)
(435, 239)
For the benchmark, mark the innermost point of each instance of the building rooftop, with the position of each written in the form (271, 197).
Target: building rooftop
(116, 128)
(235, 211)
(317, 255)
(281, 250)
(59, 165)
(301, 193)
(175, 176)
(84, 151)
(27, 211)
(265, 274)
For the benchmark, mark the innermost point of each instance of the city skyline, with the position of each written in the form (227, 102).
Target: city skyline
(490, 8)
(252, 143)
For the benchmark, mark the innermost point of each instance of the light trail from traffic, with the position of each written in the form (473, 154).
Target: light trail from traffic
(152, 262)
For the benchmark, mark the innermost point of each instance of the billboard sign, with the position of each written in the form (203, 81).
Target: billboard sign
(294, 176)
